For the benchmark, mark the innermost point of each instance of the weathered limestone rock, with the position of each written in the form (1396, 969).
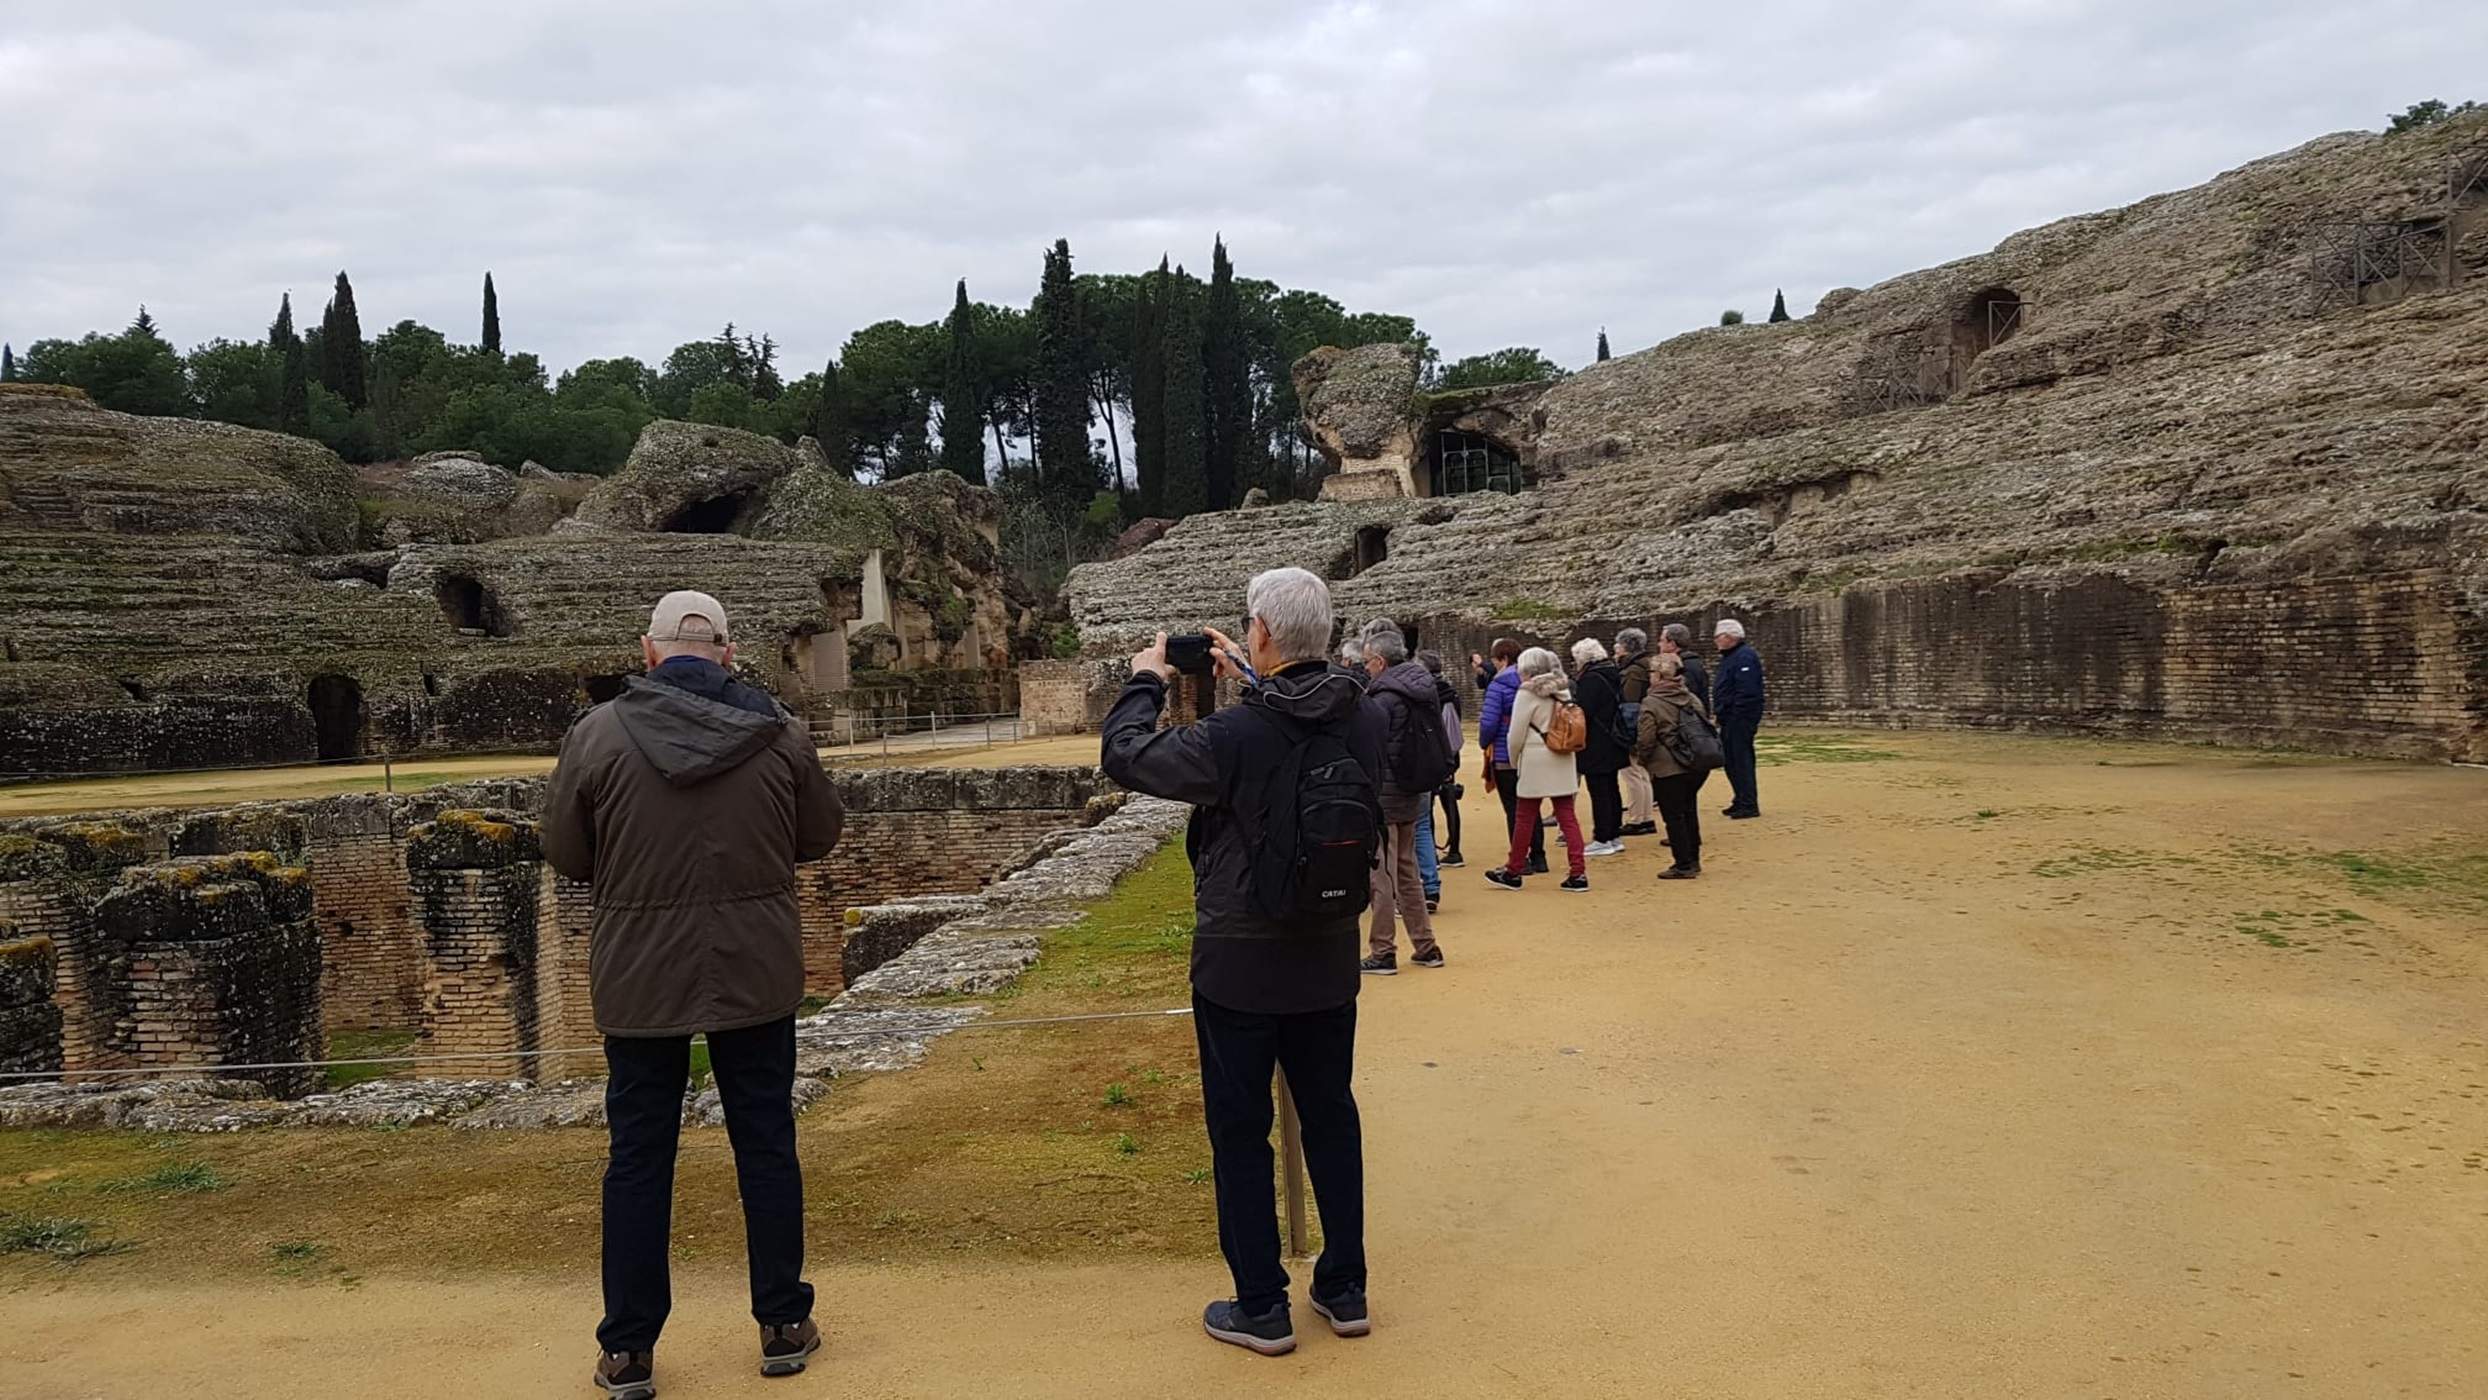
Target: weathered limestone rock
(1358, 410)
(692, 477)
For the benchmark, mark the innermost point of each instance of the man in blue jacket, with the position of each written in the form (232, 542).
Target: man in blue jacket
(1494, 721)
(1737, 701)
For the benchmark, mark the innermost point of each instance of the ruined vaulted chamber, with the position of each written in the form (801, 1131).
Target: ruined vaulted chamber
(2156, 470)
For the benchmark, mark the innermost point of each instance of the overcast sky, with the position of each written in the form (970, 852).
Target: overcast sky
(1506, 171)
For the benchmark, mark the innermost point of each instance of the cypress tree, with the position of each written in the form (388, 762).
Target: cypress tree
(1149, 389)
(492, 318)
(1186, 480)
(963, 400)
(1602, 344)
(342, 366)
(833, 424)
(8, 363)
(1064, 467)
(1227, 386)
(1779, 305)
(293, 385)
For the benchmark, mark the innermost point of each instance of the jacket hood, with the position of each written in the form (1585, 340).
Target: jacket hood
(1408, 680)
(688, 737)
(1309, 695)
(1543, 686)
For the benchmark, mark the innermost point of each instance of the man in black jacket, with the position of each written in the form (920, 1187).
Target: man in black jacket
(1737, 700)
(1265, 993)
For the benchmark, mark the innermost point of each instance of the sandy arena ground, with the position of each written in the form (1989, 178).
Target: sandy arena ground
(1990, 1068)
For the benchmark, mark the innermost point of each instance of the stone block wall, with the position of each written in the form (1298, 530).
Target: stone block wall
(48, 889)
(223, 965)
(477, 879)
(1063, 697)
(29, 1021)
(565, 1013)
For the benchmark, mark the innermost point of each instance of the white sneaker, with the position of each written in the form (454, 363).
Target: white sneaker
(1604, 848)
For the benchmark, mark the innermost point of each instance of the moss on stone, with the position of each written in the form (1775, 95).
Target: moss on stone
(25, 858)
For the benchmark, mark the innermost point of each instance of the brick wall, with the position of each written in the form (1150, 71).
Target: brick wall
(42, 897)
(565, 1014)
(478, 882)
(223, 965)
(29, 1021)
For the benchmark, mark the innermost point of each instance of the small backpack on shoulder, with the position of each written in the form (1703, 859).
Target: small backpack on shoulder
(1425, 759)
(1693, 742)
(1321, 829)
(1567, 727)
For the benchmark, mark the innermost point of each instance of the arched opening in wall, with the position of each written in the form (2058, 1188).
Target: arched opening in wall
(336, 715)
(1992, 316)
(1373, 545)
(1460, 462)
(471, 607)
(601, 688)
(716, 515)
(132, 687)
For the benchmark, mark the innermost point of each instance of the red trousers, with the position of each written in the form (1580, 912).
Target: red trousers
(1525, 826)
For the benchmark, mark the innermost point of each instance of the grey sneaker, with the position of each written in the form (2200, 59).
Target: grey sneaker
(784, 1350)
(627, 1375)
(1346, 1313)
(1431, 957)
(1380, 965)
(1270, 1334)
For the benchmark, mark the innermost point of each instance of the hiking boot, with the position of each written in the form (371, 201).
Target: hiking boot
(1604, 848)
(1455, 859)
(1431, 957)
(1502, 879)
(1537, 865)
(783, 1350)
(1576, 884)
(1346, 1313)
(627, 1375)
(1681, 872)
(1380, 965)
(1270, 1334)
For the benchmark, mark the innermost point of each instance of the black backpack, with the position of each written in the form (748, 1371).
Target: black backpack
(1694, 743)
(1425, 758)
(1627, 724)
(1321, 828)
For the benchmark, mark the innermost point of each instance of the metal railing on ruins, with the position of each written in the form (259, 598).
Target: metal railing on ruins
(2373, 262)
(851, 736)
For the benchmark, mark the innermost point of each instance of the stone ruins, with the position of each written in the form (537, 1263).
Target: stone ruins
(182, 594)
(240, 937)
(2192, 468)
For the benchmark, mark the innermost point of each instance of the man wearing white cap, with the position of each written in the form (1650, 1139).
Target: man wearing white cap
(686, 802)
(1736, 698)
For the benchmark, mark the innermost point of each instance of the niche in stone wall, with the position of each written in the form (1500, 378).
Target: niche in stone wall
(1991, 316)
(1371, 547)
(815, 659)
(337, 717)
(471, 607)
(717, 515)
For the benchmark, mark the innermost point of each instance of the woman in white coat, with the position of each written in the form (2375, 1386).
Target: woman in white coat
(1544, 775)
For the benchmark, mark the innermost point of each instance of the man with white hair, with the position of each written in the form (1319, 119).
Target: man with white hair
(1286, 824)
(685, 803)
(1737, 702)
(1415, 761)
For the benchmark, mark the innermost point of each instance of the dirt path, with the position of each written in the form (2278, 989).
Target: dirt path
(2015, 1069)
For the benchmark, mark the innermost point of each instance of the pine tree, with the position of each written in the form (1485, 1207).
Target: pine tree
(1602, 344)
(1149, 389)
(766, 386)
(343, 368)
(963, 398)
(1779, 305)
(293, 386)
(833, 423)
(145, 324)
(1186, 478)
(8, 363)
(492, 318)
(1226, 386)
(1065, 469)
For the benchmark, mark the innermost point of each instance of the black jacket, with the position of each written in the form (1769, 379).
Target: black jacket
(1599, 691)
(1697, 679)
(1241, 960)
(1405, 694)
(1739, 694)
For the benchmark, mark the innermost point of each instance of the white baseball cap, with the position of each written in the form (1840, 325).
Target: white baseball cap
(687, 616)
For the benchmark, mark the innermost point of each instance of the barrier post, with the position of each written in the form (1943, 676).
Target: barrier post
(1291, 1167)
(388, 777)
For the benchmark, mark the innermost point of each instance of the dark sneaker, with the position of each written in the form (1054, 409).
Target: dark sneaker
(1681, 872)
(1434, 904)
(1502, 879)
(1380, 965)
(783, 1350)
(1270, 1334)
(627, 1375)
(1640, 829)
(1431, 957)
(1736, 815)
(1537, 865)
(1346, 1313)
(1578, 884)
(1454, 859)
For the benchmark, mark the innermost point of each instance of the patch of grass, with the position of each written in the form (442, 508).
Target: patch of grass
(54, 1237)
(699, 1064)
(363, 1045)
(1117, 1096)
(1771, 750)
(1125, 1145)
(179, 1179)
(1198, 1176)
(295, 1258)
(1985, 814)
(1134, 947)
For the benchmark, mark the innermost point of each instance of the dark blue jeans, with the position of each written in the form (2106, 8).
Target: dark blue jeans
(1736, 735)
(755, 1069)
(1318, 1050)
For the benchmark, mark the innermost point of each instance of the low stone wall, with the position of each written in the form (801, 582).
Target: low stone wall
(478, 881)
(1063, 697)
(223, 966)
(29, 1022)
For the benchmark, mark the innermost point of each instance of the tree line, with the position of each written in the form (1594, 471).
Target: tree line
(1164, 391)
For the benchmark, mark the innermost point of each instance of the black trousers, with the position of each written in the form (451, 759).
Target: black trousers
(1678, 800)
(1736, 734)
(1318, 1051)
(1606, 805)
(755, 1069)
(1507, 787)
(1447, 794)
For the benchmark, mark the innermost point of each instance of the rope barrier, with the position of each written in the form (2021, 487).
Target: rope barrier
(862, 1033)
